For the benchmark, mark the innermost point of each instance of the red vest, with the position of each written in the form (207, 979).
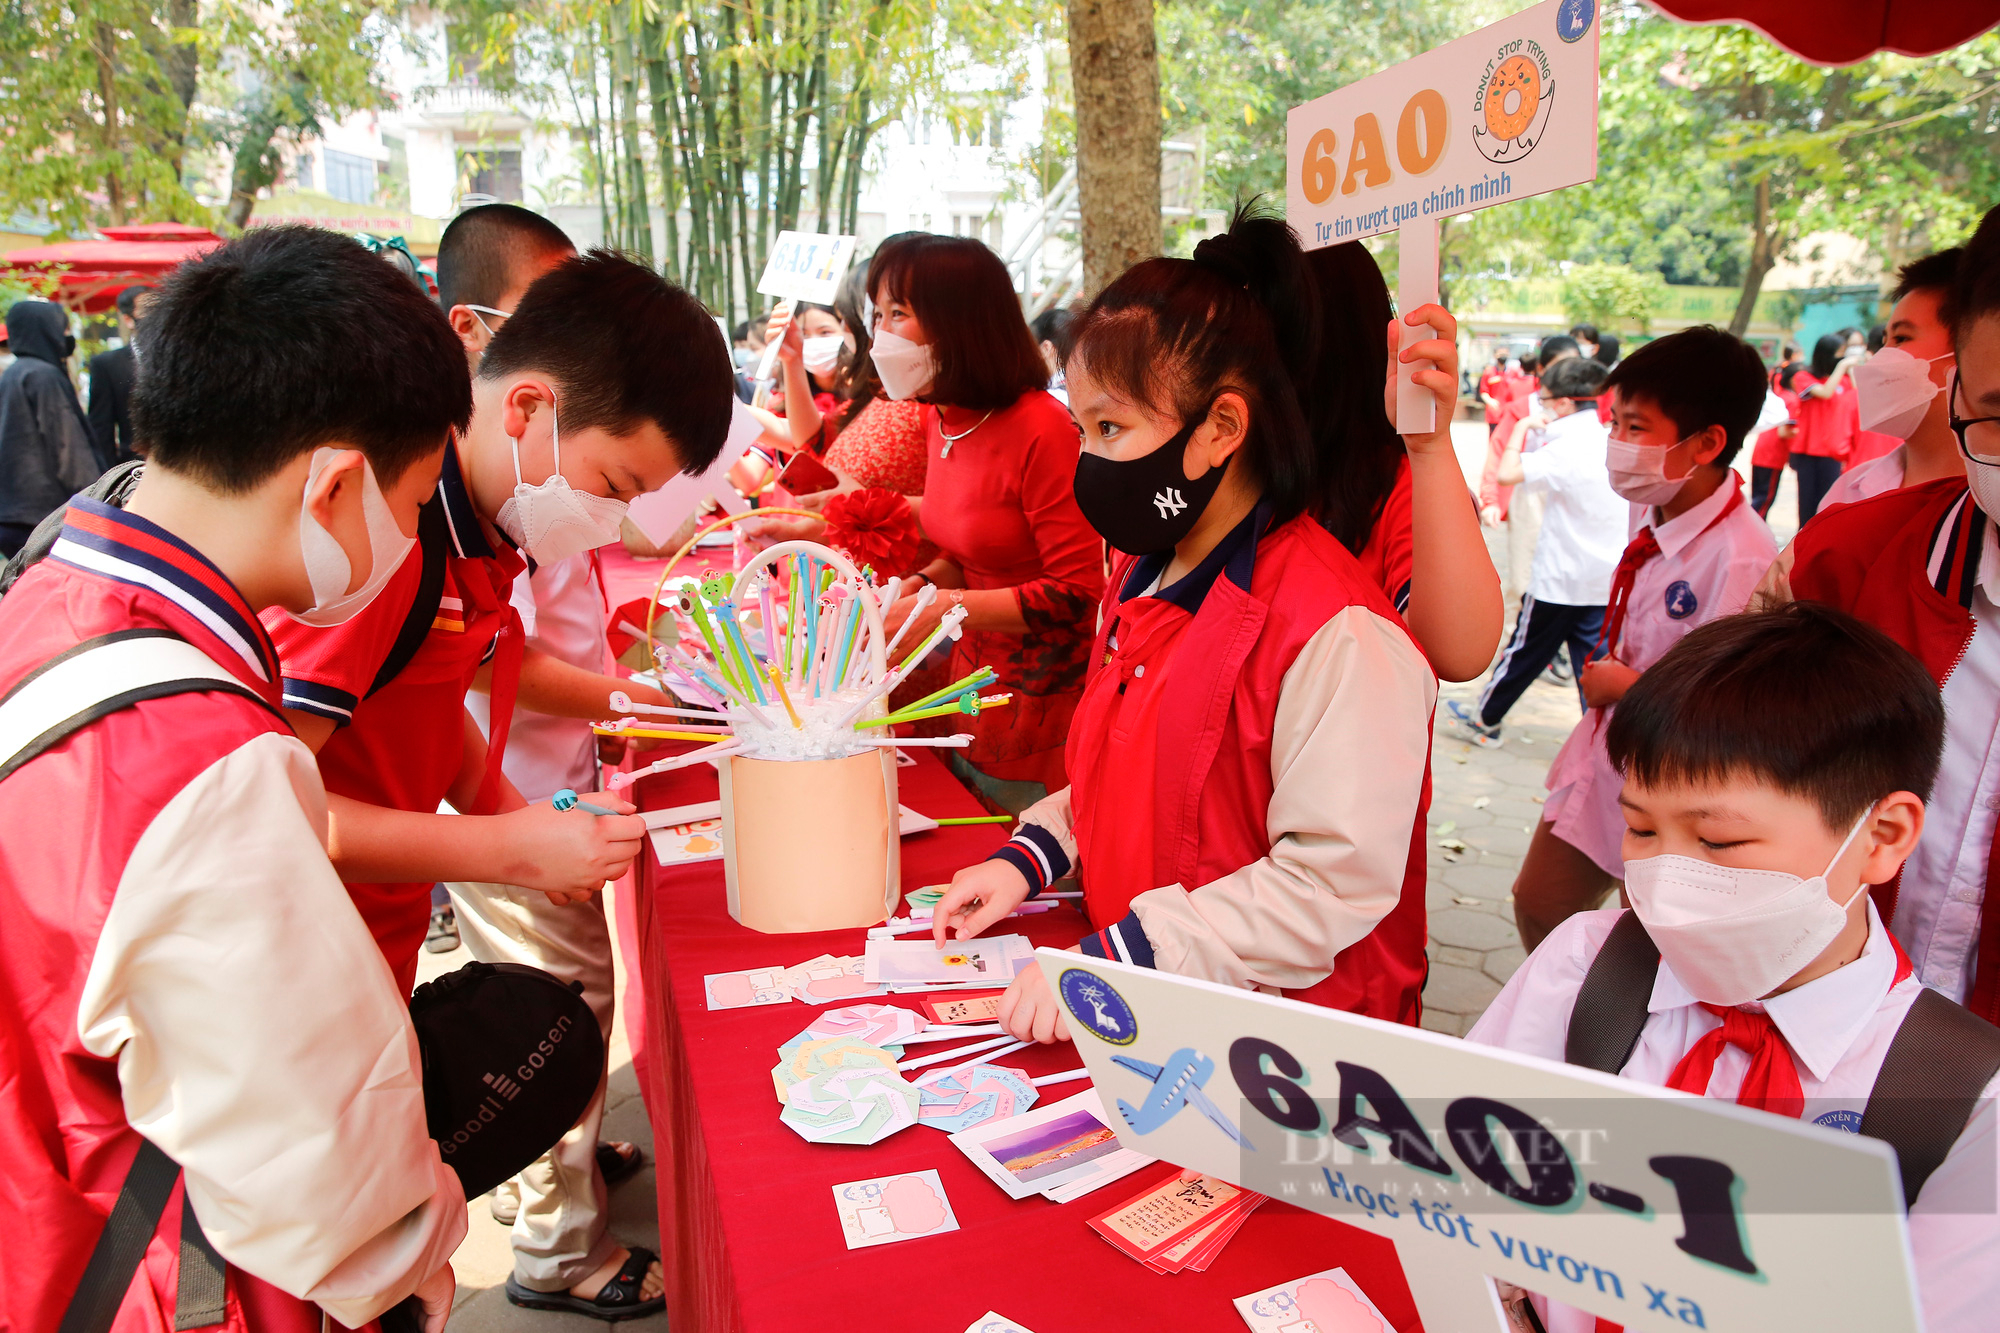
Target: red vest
(1873, 560)
(1212, 776)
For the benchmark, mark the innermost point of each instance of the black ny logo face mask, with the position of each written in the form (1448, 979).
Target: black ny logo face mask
(1145, 505)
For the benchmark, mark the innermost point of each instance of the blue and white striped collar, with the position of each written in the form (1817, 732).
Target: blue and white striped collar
(126, 548)
(461, 519)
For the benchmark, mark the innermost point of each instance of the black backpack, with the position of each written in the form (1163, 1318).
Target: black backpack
(1938, 1063)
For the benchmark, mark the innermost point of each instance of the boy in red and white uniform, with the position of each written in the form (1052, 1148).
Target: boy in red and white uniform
(1757, 817)
(604, 382)
(1682, 408)
(1901, 393)
(182, 961)
(1922, 564)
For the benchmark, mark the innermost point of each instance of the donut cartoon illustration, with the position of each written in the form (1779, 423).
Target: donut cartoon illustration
(1513, 95)
(1511, 104)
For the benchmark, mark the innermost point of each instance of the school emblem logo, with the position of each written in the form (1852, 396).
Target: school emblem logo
(1169, 502)
(1574, 18)
(1093, 1003)
(1846, 1120)
(1681, 601)
(1511, 107)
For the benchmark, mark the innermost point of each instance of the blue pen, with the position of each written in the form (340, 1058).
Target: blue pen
(567, 800)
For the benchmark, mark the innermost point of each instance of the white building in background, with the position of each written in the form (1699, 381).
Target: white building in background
(965, 169)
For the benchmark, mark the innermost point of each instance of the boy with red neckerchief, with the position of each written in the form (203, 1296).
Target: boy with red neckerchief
(1682, 407)
(1920, 563)
(1776, 765)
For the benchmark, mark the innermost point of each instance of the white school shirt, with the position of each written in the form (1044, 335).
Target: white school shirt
(1583, 520)
(1944, 881)
(1839, 1027)
(1872, 478)
(1700, 573)
(562, 613)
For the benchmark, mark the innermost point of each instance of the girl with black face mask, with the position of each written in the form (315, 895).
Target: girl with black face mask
(1249, 763)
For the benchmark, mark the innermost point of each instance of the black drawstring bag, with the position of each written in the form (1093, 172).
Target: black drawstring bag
(512, 1056)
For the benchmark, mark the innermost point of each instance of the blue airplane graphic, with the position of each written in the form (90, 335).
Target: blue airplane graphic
(1175, 1084)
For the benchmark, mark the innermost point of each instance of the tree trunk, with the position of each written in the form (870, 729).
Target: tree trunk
(1763, 258)
(1115, 71)
(183, 69)
(632, 165)
(107, 88)
(659, 89)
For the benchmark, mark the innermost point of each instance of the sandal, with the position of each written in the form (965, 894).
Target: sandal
(615, 1166)
(617, 1300)
(442, 937)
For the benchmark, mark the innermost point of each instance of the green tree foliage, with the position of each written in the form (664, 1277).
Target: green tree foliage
(1611, 295)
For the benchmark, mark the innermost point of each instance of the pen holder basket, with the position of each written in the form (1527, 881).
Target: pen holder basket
(811, 844)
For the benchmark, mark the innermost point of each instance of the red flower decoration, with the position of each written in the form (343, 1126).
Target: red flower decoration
(873, 526)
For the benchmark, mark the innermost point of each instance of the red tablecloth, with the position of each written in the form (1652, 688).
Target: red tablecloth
(747, 1219)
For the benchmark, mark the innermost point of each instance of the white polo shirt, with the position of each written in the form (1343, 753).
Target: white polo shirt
(562, 613)
(1872, 478)
(1583, 520)
(1709, 562)
(1839, 1028)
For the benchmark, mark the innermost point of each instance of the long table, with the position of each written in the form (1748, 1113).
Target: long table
(747, 1219)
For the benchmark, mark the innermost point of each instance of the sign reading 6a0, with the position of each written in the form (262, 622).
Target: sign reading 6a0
(1652, 1209)
(1475, 122)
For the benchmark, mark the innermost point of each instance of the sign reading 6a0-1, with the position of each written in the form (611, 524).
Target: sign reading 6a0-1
(1653, 1209)
(1503, 113)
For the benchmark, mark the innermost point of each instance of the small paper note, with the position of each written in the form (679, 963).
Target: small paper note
(892, 1208)
(995, 1323)
(824, 979)
(992, 961)
(740, 990)
(957, 1099)
(1328, 1302)
(969, 1009)
(877, 1024)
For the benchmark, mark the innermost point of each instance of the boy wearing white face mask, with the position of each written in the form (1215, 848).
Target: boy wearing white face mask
(604, 382)
(1901, 393)
(1682, 407)
(1776, 766)
(186, 984)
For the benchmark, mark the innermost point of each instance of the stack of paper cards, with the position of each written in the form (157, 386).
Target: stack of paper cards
(799, 1062)
(994, 1323)
(1328, 1302)
(1181, 1223)
(1061, 1151)
(739, 990)
(827, 978)
(857, 1105)
(954, 1100)
(970, 1009)
(981, 963)
(893, 1208)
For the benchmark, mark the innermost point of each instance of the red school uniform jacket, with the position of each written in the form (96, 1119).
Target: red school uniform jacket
(1250, 771)
(400, 743)
(180, 956)
(1874, 559)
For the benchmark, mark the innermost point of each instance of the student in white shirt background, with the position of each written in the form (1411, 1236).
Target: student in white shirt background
(1583, 531)
(1681, 409)
(1776, 765)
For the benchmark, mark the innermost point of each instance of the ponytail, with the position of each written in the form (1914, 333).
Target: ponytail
(1358, 451)
(1243, 316)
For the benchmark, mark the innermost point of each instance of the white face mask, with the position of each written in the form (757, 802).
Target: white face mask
(822, 354)
(327, 567)
(1895, 391)
(554, 520)
(906, 368)
(1639, 472)
(1731, 935)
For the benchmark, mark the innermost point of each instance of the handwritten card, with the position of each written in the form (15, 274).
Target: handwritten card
(740, 990)
(969, 1009)
(1328, 1302)
(887, 1209)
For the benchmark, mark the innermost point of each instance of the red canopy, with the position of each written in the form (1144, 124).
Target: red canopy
(90, 274)
(1840, 32)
